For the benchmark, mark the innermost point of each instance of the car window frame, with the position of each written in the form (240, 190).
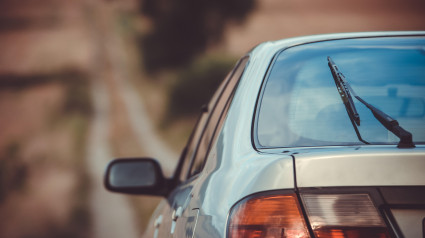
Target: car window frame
(222, 105)
(194, 139)
(254, 130)
(185, 157)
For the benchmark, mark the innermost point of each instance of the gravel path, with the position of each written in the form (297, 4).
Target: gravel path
(112, 214)
(142, 126)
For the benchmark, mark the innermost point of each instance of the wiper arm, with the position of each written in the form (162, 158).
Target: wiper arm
(388, 122)
(344, 91)
(391, 124)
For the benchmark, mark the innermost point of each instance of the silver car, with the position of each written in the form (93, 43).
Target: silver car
(318, 136)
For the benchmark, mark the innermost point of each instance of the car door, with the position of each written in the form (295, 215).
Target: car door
(178, 218)
(180, 197)
(167, 214)
(172, 210)
(187, 213)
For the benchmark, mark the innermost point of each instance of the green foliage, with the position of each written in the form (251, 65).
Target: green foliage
(182, 29)
(196, 85)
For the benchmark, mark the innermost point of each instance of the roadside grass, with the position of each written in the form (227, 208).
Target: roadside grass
(43, 182)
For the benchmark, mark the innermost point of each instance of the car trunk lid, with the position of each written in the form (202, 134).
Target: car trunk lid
(398, 176)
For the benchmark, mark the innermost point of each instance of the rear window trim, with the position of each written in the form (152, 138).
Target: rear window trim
(254, 128)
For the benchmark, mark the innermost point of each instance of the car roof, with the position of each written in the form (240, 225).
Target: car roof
(290, 42)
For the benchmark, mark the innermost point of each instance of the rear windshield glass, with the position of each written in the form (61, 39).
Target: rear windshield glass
(301, 106)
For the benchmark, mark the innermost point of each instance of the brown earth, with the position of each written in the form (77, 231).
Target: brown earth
(42, 183)
(39, 162)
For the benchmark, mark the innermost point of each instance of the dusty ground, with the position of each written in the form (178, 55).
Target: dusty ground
(42, 71)
(44, 185)
(32, 170)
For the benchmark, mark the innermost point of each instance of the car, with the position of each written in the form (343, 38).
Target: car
(314, 136)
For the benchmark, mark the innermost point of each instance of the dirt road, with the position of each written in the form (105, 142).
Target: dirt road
(112, 214)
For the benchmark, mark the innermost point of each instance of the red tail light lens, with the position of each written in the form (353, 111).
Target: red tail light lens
(268, 216)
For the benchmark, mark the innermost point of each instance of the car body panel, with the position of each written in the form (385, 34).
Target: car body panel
(219, 189)
(410, 221)
(360, 166)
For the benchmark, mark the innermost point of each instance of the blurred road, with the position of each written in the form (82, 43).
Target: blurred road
(58, 40)
(112, 213)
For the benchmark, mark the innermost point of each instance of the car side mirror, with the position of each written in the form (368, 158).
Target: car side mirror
(135, 176)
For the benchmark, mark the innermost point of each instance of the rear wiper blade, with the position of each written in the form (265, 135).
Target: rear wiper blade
(344, 91)
(388, 122)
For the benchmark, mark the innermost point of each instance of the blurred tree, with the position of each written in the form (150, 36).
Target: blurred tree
(196, 84)
(182, 29)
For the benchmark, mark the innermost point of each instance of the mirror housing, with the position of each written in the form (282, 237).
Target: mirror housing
(141, 176)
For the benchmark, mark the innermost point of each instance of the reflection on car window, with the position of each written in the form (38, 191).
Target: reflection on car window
(194, 140)
(217, 115)
(300, 105)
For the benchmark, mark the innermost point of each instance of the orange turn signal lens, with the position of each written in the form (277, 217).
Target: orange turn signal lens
(268, 216)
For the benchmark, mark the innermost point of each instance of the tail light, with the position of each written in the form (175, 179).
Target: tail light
(268, 216)
(344, 215)
(329, 215)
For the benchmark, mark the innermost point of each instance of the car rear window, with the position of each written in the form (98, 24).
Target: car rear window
(301, 106)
